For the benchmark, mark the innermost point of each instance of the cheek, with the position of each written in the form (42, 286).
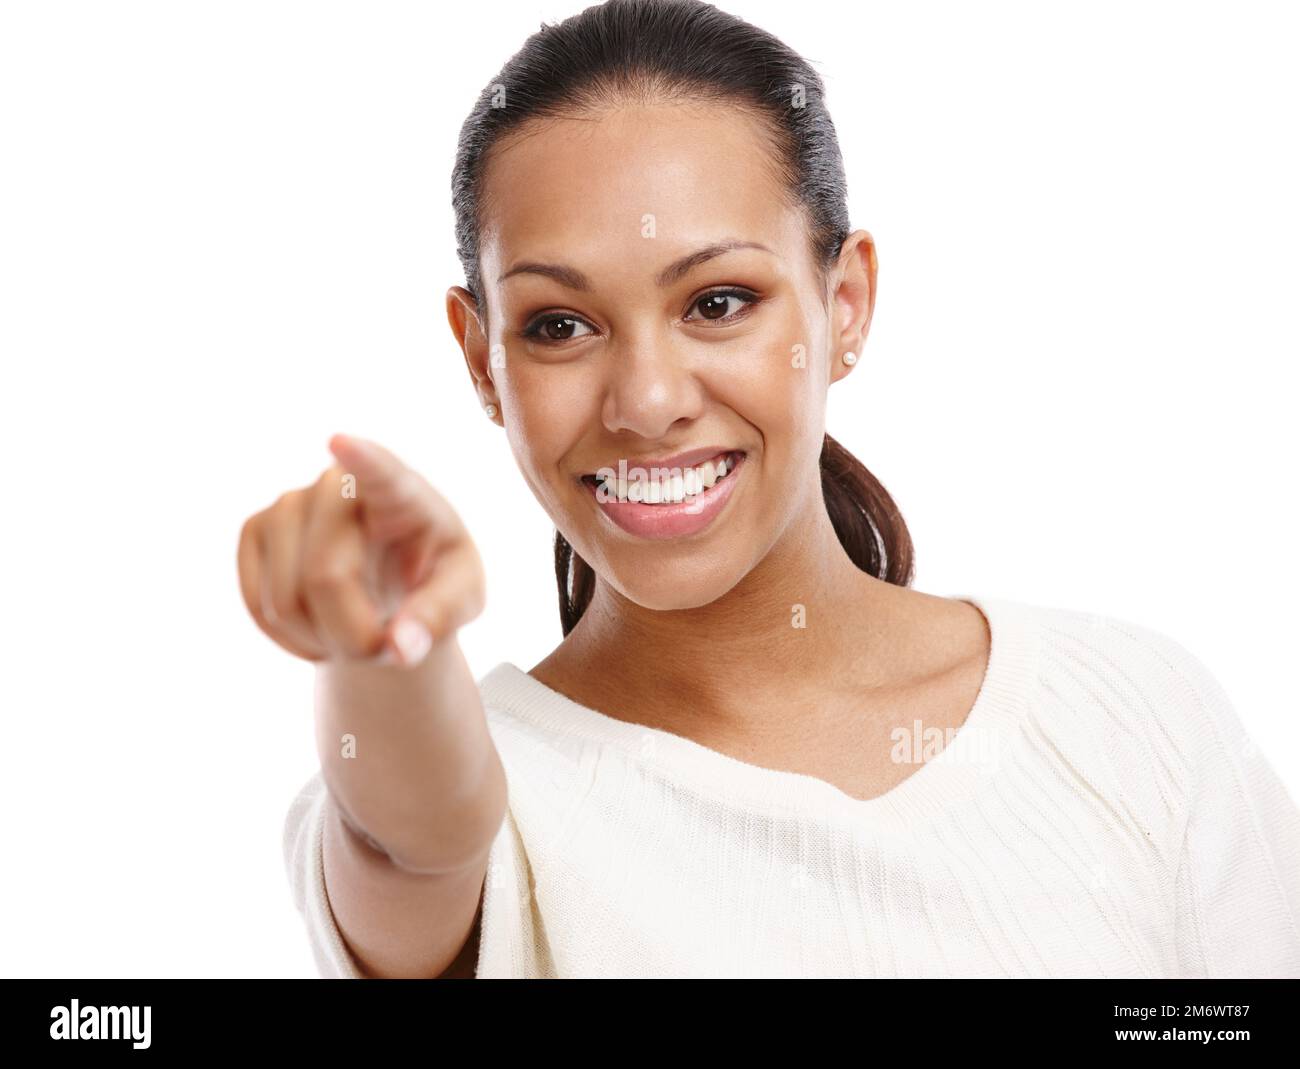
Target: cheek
(546, 413)
(804, 388)
(778, 390)
(808, 409)
(542, 394)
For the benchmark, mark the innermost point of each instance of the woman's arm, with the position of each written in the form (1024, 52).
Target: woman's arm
(1237, 884)
(369, 573)
(411, 817)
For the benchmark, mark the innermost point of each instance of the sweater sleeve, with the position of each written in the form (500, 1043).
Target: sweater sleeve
(303, 826)
(1237, 888)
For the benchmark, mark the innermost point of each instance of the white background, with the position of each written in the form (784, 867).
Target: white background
(226, 232)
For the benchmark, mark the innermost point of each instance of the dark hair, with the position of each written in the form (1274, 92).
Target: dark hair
(686, 49)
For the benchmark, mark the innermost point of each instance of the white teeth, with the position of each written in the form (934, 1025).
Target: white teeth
(672, 489)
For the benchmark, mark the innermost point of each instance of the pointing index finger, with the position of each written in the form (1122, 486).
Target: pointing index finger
(394, 498)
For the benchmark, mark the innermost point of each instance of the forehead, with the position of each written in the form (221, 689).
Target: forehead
(584, 189)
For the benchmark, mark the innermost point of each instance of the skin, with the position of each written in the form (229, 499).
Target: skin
(644, 372)
(415, 788)
(692, 635)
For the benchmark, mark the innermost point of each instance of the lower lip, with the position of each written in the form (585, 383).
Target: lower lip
(672, 521)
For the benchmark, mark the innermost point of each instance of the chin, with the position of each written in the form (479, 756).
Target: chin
(658, 600)
(671, 584)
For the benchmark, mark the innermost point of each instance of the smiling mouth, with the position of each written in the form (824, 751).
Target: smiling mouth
(664, 485)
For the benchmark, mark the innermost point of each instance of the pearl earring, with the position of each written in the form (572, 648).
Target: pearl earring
(491, 411)
(850, 359)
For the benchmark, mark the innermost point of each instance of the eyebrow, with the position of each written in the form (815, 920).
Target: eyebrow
(576, 280)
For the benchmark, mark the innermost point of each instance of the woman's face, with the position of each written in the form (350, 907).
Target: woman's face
(610, 340)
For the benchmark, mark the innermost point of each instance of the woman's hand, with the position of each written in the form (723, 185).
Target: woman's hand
(367, 563)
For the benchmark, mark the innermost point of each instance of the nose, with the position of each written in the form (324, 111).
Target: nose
(650, 385)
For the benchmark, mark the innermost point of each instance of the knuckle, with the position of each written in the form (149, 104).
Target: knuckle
(353, 644)
(325, 575)
(287, 502)
(281, 605)
(259, 617)
(294, 648)
(267, 626)
(347, 637)
(243, 566)
(329, 476)
(439, 622)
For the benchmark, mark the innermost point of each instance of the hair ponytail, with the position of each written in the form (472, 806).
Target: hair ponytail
(870, 527)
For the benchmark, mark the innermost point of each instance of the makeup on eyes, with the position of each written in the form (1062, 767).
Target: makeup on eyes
(533, 329)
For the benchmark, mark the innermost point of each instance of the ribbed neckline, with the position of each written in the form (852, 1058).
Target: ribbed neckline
(977, 751)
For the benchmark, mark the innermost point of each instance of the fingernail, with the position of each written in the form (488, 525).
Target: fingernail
(412, 639)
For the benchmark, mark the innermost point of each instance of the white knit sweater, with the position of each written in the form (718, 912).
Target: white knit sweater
(1101, 813)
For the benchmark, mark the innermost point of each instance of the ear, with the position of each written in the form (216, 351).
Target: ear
(853, 300)
(467, 326)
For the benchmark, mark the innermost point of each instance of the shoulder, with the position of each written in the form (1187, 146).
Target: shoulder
(548, 745)
(525, 717)
(1149, 703)
(1131, 669)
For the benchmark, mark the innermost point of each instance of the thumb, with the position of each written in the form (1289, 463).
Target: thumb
(449, 600)
(407, 641)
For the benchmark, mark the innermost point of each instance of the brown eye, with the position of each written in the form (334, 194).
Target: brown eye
(559, 329)
(713, 306)
(716, 306)
(553, 328)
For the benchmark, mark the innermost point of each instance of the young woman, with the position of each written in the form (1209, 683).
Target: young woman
(757, 751)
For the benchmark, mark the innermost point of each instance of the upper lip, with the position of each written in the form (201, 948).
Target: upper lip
(678, 460)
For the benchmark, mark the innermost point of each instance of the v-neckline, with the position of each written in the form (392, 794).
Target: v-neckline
(977, 748)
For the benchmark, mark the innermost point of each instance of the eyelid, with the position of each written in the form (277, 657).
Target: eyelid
(742, 293)
(532, 329)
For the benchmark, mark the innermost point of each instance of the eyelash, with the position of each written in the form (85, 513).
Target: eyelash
(533, 331)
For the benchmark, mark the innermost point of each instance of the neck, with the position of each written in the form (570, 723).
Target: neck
(805, 614)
